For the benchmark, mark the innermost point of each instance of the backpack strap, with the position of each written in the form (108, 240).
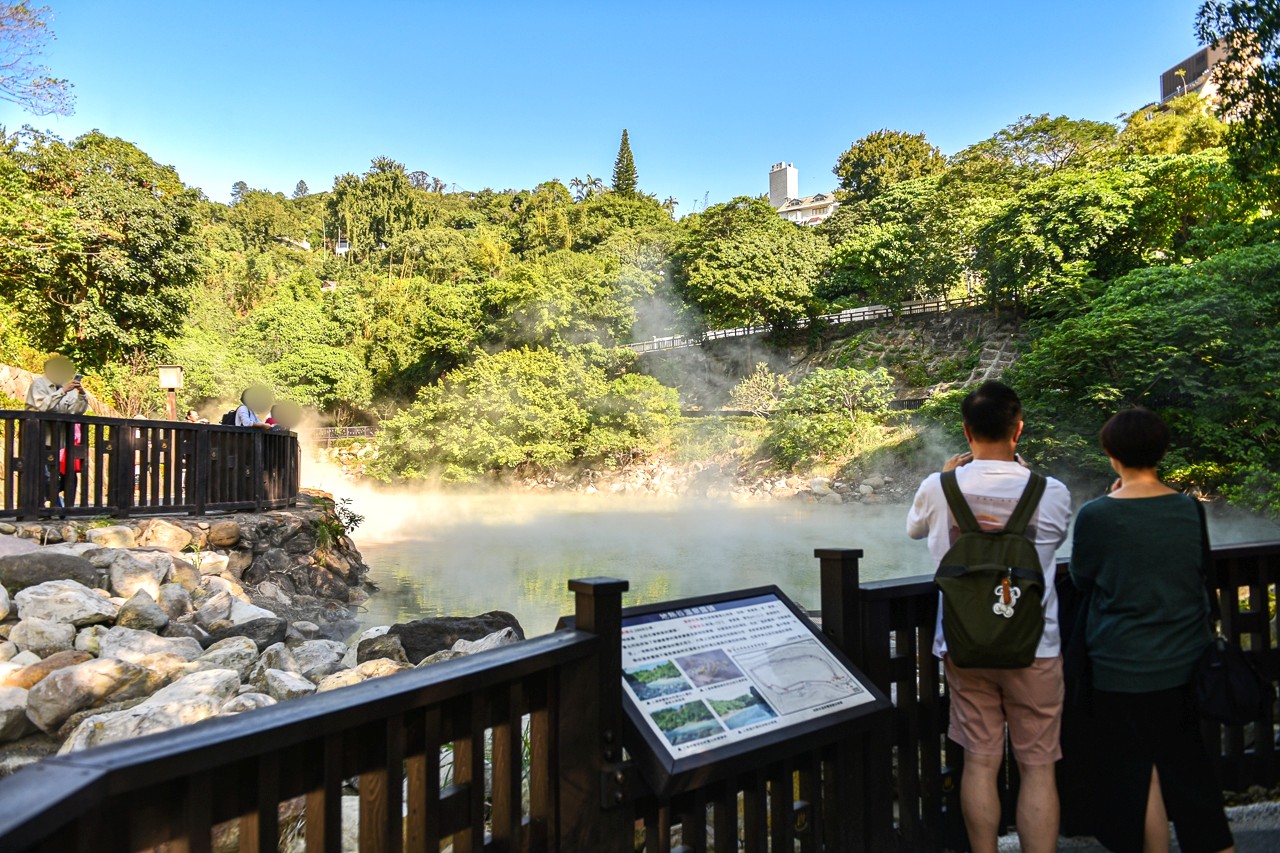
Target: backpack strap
(1017, 522)
(959, 506)
(1027, 504)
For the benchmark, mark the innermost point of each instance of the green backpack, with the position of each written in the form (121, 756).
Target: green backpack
(992, 585)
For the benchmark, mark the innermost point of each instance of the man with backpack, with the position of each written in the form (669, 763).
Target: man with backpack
(997, 629)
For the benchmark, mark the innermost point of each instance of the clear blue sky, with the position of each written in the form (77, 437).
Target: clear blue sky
(508, 94)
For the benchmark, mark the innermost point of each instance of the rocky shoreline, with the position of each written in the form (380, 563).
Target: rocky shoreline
(128, 629)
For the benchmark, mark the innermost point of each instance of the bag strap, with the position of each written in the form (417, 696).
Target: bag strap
(1206, 562)
(1017, 522)
(959, 506)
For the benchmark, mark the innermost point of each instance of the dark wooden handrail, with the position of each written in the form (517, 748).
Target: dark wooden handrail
(57, 465)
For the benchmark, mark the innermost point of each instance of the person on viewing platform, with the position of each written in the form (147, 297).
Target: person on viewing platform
(984, 702)
(193, 417)
(57, 390)
(1139, 549)
(254, 398)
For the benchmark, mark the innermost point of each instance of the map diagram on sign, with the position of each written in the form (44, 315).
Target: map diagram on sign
(798, 676)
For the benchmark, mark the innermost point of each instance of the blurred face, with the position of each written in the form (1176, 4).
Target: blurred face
(259, 398)
(59, 370)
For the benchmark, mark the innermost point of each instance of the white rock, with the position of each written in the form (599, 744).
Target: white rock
(24, 658)
(866, 489)
(342, 678)
(243, 611)
(875, 481)
(115, 536)
(214, 608)
(820, 485)
(197, 697)
(833, 499)
(42, 637)
(66, 691)
(75, 549)
(211, 563)
(276, 656)
(7, 650)
(380, 667)
(4, 604)
(90, 639)
(283, 685)
(168, 666)
(235, 653)
(14, 722)
(316, 659)
(134, 570)
(246, 702)
(505, 637)
(129, 644)
(212, 584)
(64, 601)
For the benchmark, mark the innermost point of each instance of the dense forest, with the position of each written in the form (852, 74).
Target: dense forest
(480, 328)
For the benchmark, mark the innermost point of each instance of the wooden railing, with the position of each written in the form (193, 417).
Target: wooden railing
(849, 315)
(897, 620)
(65, 465)
(438, 757)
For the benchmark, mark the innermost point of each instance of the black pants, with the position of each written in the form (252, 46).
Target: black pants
(1134, 732)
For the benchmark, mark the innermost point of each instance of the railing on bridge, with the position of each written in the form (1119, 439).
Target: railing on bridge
(880, 788)
(65, 465)
(851, 315)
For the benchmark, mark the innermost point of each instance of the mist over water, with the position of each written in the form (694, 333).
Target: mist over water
(443, 554)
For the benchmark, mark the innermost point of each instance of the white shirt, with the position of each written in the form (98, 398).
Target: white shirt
(246, 417)
(992, 489)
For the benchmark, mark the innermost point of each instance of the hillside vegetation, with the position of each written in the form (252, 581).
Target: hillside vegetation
(481, 328)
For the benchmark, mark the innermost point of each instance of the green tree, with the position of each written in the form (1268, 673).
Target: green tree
(24, 35)
(1183, 125)
(828, 413)
(624, 168)
(881, 159)
(115, 273)
(522, 409)
(301, 190)
(1248, 79)
(238, 191)
(1191, 342)
(742, 264)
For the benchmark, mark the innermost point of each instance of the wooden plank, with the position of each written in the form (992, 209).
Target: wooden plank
(755, 813)
(507, 815)
(323, 832)
(468, 774)
(542, 749)
(781, 806)
(423, 829)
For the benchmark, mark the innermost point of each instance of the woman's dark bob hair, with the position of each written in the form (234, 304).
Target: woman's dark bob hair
(1136, 438)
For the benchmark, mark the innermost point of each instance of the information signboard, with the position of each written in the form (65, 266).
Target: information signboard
(713, 679)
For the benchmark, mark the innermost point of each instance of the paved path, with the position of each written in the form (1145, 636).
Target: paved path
(1256, 828)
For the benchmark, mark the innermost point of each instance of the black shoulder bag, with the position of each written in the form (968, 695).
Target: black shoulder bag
(1225, 686)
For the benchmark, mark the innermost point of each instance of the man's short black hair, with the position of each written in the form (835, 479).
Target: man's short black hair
(1136, 438)
(992, 411)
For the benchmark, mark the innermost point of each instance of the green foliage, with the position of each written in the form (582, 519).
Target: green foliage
(829, 413)
(666, 669)
(1183, 125)
(742, 264)
(760, 391)
(1248, 80)
(1190, 342)
(881, 159)
(522, 409)
(624, 169)
(335, 522)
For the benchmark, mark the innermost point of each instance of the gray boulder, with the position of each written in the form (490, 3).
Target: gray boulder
(234, 653)
(14, 722)
(246, 702)
(497, 639)
(174, 600)
(115, 536)
(264, 632)
(142, 613)
(281, 685)
(88, 685)
(427, 636)
(43, 637)
(224, 534)
(318, 658)
(184, 629)
(277, 657)
(439, 657)
(197, 697)
(32, 674)
(4, 604)
(64, 601)
(134, 570)
(387, 646)
(158, 533)
(19, 571)
(129, 644)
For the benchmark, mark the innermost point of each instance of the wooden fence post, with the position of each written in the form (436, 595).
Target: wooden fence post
(592, 812)
(862, 784)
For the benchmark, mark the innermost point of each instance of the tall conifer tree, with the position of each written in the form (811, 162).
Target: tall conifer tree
(624, 169)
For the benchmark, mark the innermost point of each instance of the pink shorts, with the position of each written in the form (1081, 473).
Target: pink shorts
(1029, 700)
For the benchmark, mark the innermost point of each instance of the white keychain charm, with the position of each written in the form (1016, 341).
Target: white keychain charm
(1006, 599)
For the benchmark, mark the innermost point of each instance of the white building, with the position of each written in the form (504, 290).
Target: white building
(784, 187)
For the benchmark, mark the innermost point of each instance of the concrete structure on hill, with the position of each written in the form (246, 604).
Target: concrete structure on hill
(784, 180)
(1193, 74)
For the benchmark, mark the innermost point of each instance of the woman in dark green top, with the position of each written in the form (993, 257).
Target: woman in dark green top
(1138, 549)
